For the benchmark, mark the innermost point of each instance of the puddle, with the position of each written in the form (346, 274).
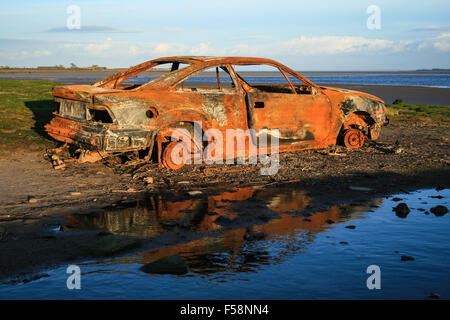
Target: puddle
(317, 257)
(154, 215)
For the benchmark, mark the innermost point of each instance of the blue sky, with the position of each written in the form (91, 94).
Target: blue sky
(306, 35)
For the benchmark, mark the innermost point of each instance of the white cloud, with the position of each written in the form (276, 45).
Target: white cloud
(442, 42)
(330, 45)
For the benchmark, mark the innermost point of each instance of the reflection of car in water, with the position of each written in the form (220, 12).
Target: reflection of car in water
(146, 218)
(134, 111)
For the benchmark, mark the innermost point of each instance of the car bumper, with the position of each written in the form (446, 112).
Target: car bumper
(100, 137)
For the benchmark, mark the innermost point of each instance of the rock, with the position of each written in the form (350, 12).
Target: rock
(32, 199)
(184, 223)
(251, 235)
(307, 220)
(167, 265)
(109, 245)
(169, 224)
(212, 213)
(103, 233)
(433, 295)
(194, 193)
(75, 193)
(343, 242)
(401, 210)
(396, 199)
(407, 258)
(355, 188)
(350, 227)
(183, 182)
(329, 221)
(224, 220)
(439, 210)
(148, 180)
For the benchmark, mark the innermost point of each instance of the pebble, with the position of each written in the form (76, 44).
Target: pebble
(355, 188)
(75, 193)
(148, 180)
(407, 258)
(350, 227)
(194, 193)
(433, 295)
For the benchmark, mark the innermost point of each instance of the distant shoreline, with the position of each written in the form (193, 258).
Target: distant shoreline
(75, 73)
(388, 93)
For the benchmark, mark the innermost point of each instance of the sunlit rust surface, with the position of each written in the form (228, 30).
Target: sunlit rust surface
(115, 116)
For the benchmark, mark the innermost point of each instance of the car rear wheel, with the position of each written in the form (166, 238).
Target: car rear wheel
(175, 155)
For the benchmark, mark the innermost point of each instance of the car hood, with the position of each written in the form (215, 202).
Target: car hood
(350, 92)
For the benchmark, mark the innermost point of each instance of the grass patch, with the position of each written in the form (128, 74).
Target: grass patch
(419, 114)
(25, 107)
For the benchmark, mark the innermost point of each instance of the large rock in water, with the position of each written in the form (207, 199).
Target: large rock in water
(401, 210)
(439, 211)
(167, 265)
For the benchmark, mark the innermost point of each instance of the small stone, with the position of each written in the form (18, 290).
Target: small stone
(168, 265)
(350, 227)
(439, 211)
(194, 193)
(343, 242)
(433, 295)
(329, 221)
(401, 210)
(103, 233)
(224, 220)
(183, 182)
(212, 213)
(396, 199)
(32, 200)
(251, 235)
(355, 188)
(184, 223)
(148, 180)
(169, 225)
(307, 220)
(407, 258)
(75, 193)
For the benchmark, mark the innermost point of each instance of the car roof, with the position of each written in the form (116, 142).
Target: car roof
(200, 59)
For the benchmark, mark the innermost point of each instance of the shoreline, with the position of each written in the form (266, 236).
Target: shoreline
(388, 93)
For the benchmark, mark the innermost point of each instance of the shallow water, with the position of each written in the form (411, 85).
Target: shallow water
(435, 78)
(297, 259)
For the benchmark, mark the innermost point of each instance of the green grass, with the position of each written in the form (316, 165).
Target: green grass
(25, 107)
(421, 114)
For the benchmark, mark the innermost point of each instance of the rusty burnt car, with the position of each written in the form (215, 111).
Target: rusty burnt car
(136, 110)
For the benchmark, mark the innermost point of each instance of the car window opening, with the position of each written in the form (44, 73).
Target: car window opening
(270, 79)
(212, 79)
(101, 116)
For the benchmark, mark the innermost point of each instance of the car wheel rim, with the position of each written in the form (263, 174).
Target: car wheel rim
(353, 139)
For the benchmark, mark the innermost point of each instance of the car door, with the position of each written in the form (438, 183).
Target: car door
(302, 115)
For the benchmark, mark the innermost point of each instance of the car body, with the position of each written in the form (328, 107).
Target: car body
(115, 115)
